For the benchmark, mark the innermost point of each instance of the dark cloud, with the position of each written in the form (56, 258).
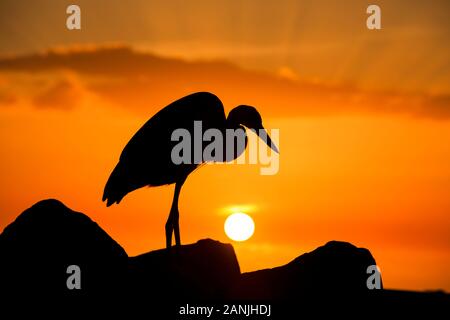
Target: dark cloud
(62, 95)
(144, 82)
(7, 98)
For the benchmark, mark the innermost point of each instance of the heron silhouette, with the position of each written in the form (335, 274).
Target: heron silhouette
(146, 159)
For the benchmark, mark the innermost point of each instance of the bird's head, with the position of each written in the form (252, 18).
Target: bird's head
(249, 117)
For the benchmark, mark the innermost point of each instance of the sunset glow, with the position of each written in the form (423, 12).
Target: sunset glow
(363, 119)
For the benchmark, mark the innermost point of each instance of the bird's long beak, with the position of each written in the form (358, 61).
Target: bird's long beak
(264, 136)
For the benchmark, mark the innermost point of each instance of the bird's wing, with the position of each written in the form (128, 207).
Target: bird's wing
(146, 159)
(155, 135)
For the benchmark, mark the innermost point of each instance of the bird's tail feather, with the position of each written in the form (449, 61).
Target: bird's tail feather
(114, 188)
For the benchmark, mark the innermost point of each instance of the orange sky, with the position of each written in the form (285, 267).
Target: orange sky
(363, 116)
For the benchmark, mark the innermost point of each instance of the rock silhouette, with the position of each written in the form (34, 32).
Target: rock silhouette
(38, 246)
(203, 270)
(335, 268)
(44, 240)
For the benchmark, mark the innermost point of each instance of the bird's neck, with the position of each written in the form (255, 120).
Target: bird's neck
(231, 124)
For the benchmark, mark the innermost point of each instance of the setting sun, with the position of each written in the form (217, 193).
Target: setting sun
(239, 226)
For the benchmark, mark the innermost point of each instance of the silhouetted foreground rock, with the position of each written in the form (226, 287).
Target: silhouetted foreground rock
(204, 270)
(38, 247)
(44, 240)
(335, 268)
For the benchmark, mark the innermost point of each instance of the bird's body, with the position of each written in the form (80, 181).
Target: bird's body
(146, 159)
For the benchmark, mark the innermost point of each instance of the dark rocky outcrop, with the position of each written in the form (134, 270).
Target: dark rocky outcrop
(37, 248)
(204, 270)
(335, 268)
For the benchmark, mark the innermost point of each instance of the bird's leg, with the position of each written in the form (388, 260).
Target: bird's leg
(176, 228)
(175, 213)
(169, 229)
